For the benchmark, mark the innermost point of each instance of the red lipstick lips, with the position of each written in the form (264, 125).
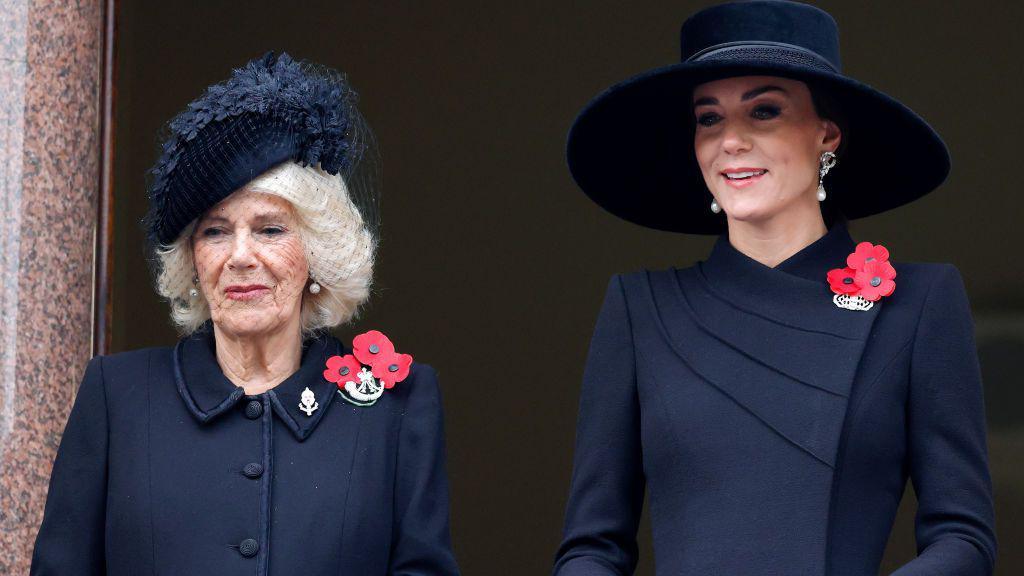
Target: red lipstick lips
(247, 292)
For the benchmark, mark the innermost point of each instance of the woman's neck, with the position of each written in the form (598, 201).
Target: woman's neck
(773, 241)
(258, 363)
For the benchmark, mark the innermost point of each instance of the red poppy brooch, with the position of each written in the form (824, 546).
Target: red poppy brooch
(867, 277)
(372, 367)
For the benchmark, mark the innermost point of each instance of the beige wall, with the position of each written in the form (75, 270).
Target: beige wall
(49, 116)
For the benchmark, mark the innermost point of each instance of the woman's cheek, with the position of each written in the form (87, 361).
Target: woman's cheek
(208, 262)
(291, 267)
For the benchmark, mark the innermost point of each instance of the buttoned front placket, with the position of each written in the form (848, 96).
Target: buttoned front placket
(258, 409)
(210, 396)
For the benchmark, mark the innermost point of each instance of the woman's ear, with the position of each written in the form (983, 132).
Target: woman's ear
(833, 136)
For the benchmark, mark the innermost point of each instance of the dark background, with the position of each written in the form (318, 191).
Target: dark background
(493, 265)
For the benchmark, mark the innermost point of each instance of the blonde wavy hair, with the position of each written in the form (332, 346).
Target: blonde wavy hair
(339, 248)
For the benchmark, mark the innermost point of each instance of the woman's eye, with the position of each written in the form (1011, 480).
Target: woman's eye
(273, 230)
(765, 112)
(212, 232)
(708, 119)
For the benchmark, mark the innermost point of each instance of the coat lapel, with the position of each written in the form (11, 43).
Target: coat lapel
(286, 397)
(207, 393)
(770, 339)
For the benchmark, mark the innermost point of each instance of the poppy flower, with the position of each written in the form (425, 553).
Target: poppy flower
(867, 252)
(392, 369)
(875, 280)
(370, 347)
(841, 281)
(342, 369)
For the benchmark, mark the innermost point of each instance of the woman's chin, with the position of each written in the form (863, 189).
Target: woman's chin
(747, 214)
(248, 323)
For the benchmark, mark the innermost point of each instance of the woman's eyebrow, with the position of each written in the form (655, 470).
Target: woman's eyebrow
(211, 218)
(275, 215)
(710, 101)
(758, 91)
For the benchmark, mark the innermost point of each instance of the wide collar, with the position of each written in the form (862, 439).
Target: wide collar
(796, 291)
(771, 339)
(811, 263)
(208, 393)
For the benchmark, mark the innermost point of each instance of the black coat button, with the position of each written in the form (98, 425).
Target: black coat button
(248, 548)
(253, 410)
(253, 470)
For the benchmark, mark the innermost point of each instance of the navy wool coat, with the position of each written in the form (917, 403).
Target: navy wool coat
(167, 468)
(773, 431)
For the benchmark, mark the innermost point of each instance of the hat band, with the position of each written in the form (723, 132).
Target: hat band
(773, 52)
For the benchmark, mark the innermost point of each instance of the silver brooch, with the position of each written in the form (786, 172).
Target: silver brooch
(366, 391)
(308, 403)
(852, 302)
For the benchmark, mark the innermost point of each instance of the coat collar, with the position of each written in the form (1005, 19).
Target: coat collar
(771, 339)
(207, 393)
(811, 263)
(794, 292)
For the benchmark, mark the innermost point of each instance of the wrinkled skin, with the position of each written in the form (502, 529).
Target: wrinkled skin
(248, 239)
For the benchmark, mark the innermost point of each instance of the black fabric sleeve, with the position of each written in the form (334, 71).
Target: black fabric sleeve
(607, 490)
(71, 537)
(946, 434)
(421, 539)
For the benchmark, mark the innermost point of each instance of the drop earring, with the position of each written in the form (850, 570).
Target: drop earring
(193, 292)
(826, 162)
(314, 288)
(715, 207)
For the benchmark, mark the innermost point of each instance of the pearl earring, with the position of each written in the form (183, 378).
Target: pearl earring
(193, 292)
(826, 162)
(715, 207)
(314, 288)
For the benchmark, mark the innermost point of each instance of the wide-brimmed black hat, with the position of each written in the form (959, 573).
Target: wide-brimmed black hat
(631, 148)
(273, 109)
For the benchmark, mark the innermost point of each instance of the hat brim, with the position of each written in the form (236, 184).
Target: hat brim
(631, 148)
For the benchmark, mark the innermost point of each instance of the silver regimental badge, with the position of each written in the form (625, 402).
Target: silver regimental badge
(364, 392)
(852, 302)
(308, 403)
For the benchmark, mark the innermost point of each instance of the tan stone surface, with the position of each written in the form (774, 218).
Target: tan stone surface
(49, 156)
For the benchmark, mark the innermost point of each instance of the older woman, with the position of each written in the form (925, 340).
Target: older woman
(774, 399)
(258, 444)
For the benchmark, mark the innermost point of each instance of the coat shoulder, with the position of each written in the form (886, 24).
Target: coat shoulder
(133, 366)
(637, 285)
(133, 358)
(917, 281)
(422, 381)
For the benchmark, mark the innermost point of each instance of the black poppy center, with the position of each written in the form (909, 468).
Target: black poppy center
(847, 280)
(876, 281)
(344, 370)
(393, 368)
(374, 348)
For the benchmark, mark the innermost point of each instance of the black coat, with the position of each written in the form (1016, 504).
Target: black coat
(166, 467)
(773, 431)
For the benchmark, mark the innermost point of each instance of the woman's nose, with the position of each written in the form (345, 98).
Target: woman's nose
(734, 140)
(242, 254)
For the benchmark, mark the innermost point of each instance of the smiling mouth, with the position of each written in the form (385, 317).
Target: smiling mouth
(745, 175)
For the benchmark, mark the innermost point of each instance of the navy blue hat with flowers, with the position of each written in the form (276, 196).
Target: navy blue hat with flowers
(269, 111)
(631, 149)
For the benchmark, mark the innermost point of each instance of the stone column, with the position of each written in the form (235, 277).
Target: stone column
(50, 74)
